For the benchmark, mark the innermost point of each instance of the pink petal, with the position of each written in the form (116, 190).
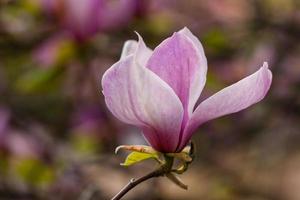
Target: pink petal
(137, 96)
(129, 48)
(234, 98)
(47, 54)
(200, 75)
(179, 62)
(141, 52)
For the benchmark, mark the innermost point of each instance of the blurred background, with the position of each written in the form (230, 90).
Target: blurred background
(57, 137)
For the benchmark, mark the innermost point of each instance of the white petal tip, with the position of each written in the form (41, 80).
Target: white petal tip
(127, 42)
(266, 65)
(118, 148)
(139, 36)
(184, 29)
(128, 48)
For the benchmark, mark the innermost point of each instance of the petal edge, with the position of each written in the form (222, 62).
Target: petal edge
(134, 95)
(231, 99)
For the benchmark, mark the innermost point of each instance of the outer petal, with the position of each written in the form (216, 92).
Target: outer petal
(141, 52)
(129, 48)
(137, 96)
(177, 61)
(234, 98)
(199, 81)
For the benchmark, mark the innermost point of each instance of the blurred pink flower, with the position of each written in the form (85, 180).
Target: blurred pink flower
(90, 121)
(51, 6)
(84, 18)
(49, 52)
(23, 145)
(81, 17)
(157, 90)
(4, 119)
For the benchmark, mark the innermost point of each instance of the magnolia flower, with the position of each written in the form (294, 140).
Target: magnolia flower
(157, 90)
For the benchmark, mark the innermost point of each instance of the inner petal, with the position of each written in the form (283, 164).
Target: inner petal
(176, 62)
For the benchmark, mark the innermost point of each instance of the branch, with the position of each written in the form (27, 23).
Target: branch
(134, 182)
(161, 171)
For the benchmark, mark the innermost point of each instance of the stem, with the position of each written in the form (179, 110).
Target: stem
(134, 182)
(164, 169)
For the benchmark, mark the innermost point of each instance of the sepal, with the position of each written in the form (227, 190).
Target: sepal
(136, 148)
(139, 153)
(175, 179)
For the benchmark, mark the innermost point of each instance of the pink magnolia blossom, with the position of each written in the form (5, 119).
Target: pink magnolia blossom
(157, 90)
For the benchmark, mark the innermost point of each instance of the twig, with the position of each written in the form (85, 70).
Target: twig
(134, 182)
(161, 171)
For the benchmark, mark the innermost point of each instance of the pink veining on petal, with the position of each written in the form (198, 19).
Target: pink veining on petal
(198, 83)
(176, 61)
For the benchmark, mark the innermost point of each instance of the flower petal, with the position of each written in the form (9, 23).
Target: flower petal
(143, 53)
(137, 96)
(129, 48)
(200, 75)
(234, 98)
(177, 60)
(139, 49)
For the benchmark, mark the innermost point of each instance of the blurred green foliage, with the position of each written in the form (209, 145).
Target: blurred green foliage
(34, 172)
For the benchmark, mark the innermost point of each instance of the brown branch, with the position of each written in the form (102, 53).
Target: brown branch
(134, 182)
(164, 169)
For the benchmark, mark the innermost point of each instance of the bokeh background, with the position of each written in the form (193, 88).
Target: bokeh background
(57, 137)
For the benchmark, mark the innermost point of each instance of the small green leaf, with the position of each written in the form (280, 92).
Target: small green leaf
(39, 80)
(136, 157)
